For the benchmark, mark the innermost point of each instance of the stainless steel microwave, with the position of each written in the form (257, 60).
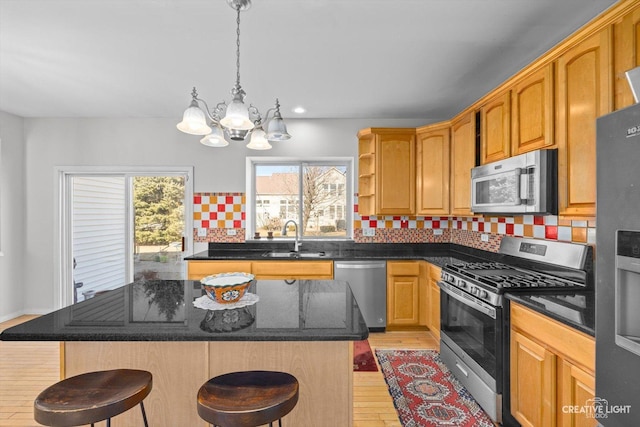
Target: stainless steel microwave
(523, 184)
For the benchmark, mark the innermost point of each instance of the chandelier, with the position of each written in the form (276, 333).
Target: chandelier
(236, 121)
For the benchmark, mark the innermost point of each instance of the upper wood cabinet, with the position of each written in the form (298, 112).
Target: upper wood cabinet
(366, 174)
(432, 169)
(463, 159)
(387, 171)
(532, 112)
(626, 55)
(584, 93)
(495, 121)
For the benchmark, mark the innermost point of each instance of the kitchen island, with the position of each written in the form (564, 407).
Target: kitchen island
(304, 327)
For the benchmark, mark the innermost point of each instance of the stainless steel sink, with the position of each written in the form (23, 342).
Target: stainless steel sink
(292, 254)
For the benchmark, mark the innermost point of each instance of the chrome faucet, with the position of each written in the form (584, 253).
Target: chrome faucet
(296, 247)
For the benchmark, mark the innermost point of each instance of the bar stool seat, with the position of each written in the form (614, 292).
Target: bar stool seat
(92, 397)
(248, 398)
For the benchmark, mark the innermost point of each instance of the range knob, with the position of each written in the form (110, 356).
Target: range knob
(475, 291)
(461, 283)
(483, 294)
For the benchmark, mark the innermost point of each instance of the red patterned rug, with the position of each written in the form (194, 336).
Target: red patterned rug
(425, 393)
(363, 359)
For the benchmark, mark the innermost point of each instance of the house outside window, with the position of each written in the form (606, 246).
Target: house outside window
(315, 194)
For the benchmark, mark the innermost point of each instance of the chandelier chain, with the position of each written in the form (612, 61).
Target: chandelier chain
(238, 47)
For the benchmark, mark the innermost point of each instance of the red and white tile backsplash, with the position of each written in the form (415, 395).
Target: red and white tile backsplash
(216, 213)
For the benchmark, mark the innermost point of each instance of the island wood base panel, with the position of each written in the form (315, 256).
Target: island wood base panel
(324, 370)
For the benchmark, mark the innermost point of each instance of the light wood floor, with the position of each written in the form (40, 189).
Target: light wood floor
(26, 368)
(372, 403)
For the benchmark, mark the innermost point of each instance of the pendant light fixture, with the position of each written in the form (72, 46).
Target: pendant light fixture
(236, 121)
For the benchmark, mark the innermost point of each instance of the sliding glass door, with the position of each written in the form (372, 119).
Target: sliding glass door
(121, 226)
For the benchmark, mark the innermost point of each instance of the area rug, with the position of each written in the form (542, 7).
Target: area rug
(425, 392)
(363, 359)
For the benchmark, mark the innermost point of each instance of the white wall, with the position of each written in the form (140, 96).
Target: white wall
(145, 142)
(12, 224)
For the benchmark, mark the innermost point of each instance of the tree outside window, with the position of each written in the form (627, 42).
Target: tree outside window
(311, 193)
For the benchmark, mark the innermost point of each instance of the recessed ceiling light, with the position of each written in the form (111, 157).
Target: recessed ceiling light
(299, 110)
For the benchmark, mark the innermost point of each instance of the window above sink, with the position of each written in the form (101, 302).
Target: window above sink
(316, 194)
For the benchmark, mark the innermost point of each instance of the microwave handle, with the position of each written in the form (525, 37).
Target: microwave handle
(523, 177)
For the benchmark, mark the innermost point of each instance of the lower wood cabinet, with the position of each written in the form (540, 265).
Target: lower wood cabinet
(403, 294)
(196, 270)
(552, 371)
(413, 296)
(275, 270)
(292, 269)
(433, 318)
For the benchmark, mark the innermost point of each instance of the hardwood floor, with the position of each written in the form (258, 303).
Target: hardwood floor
(372, 403)
(26, 368)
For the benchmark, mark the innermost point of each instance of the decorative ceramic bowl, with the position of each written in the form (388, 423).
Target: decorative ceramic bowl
(226, 288)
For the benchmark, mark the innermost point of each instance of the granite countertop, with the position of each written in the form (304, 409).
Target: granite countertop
(575, 309)
(438, 254)
(163, 310)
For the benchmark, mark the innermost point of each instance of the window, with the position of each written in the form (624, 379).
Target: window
(315, 194)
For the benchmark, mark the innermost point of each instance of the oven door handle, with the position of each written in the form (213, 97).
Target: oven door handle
(468, 300)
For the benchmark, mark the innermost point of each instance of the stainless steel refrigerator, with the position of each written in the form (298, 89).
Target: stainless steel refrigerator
(617, 402)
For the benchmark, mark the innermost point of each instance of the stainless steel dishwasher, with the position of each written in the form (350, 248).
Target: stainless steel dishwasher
(368, 282)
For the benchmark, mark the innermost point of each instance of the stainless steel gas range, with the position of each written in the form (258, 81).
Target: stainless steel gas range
(474, 326)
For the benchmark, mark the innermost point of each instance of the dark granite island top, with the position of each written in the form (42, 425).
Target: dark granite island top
(163, 310)
(303, 327)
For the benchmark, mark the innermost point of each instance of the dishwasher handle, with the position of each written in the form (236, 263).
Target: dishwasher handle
(360, 265)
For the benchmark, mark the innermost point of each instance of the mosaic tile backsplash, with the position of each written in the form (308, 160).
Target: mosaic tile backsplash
(220, 217)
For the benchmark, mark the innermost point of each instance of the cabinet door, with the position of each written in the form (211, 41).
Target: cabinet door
(532, 112)
(403, 293)
(434, 301)
(584, 93)
(533, 380)
(578, 391)
(626, 56)
(196, 270)
(495, 119)
(433, 147)
(423, 292)
(463, 158)
(396, 173)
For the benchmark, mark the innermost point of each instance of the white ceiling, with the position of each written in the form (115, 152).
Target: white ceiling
(411, 59)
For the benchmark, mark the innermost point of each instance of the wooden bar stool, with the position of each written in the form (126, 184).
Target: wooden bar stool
(247, 399)
(92, 397)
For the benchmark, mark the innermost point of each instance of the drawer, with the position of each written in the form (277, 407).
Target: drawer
(403, 268)
(292, 269)
(196, 270)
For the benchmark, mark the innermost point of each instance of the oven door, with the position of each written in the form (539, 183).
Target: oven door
(473, 330)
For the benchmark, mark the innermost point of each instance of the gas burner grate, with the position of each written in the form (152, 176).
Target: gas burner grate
(474, 266)
(500, 276)
(530, 280)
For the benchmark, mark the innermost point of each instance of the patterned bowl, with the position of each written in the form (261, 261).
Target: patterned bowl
(226, 288)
